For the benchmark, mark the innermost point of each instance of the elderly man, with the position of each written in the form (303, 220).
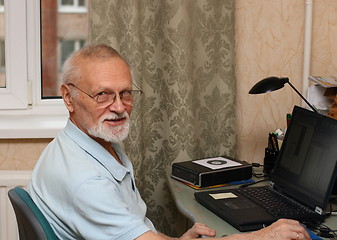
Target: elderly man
(83, 182)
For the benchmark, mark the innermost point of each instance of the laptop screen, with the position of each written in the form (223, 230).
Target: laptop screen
(306, 164)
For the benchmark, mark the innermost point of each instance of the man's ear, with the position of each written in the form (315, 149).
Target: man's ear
(67, 98)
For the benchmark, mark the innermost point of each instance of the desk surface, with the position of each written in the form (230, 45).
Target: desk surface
(189, 207)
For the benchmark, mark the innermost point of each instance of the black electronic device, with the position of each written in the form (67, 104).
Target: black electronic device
(211, 171)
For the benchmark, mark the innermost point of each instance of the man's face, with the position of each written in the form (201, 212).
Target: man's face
(103, 121)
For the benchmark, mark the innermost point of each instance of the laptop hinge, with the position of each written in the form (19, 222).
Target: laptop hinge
(319, 210)
(271, 184)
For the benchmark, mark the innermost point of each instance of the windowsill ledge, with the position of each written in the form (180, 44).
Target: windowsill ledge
(31, 126)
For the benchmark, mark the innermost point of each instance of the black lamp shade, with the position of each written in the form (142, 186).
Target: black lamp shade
(268, 85)
(274, 83)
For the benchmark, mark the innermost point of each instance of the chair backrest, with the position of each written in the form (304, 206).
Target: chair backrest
(32, 223)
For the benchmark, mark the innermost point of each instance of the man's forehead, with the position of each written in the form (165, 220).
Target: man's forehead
(106, 72)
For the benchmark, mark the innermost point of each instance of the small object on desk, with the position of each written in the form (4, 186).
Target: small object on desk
(269, 161)
(248, 181)
(279, 133)
(275, 142)
(211, 171)
(313, 235)
(333, 108)
(288, 119)
(272, 151)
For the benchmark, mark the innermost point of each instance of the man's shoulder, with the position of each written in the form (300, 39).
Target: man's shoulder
(65, 161)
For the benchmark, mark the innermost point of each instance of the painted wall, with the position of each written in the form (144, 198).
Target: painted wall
(269, 41)
(20, 154)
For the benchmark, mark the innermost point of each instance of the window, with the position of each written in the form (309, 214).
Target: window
(2, 64)
(67, 47)
(62, 33)
(2, 4)
(35, 38)
(72, 5)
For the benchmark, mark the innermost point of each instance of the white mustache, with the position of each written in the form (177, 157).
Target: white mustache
(115, 116)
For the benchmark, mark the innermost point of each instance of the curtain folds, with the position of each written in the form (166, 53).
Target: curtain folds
(182, 55)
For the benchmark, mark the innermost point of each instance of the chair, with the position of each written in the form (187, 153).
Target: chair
(32, 224)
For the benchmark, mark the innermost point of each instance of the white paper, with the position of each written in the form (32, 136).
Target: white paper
(217, 163)
(316, 98)
(217, 196)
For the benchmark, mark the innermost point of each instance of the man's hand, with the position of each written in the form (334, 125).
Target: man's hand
(283, 229)
(197, 230)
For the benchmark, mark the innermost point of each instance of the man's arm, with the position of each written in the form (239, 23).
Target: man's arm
(283, 229)
(194, 232)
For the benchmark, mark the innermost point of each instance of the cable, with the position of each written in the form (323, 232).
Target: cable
(257, 175)
(252, 183)
(321, 229)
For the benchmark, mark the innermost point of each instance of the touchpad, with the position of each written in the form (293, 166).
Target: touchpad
(239, 204)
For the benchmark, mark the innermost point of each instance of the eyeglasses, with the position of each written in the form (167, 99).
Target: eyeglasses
(109, 97)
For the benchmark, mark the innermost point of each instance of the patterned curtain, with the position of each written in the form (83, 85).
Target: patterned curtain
(182, 56)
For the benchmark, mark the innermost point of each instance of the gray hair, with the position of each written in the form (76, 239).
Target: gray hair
(72, 66)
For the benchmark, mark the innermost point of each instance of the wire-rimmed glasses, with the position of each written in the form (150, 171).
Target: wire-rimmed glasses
(108, 98)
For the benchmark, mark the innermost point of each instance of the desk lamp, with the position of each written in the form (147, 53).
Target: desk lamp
(270, 84)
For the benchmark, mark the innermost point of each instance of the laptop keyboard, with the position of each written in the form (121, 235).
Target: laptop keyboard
(275, 204)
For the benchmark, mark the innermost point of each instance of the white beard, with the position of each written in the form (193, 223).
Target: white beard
(111, 134)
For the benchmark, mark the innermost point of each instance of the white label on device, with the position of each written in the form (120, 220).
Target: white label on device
(217, 196)
(217, 163)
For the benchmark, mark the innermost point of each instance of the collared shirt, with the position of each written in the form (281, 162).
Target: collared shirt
(85, 193)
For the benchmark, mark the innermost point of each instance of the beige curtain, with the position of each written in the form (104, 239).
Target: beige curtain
(182, 56)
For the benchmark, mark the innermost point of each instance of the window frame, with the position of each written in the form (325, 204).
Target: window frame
(14, 94)
(27, 115)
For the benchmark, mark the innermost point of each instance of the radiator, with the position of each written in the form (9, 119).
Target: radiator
(8, 180)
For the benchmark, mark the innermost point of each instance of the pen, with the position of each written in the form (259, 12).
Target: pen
(270, 142)
(288, 119)
(275, 144)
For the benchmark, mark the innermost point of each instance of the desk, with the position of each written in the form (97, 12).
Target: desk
(195, 212)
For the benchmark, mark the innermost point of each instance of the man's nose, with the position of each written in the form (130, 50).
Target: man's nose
(118, 105)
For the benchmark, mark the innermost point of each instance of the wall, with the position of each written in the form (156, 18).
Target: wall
(20, 154)
(269, 41)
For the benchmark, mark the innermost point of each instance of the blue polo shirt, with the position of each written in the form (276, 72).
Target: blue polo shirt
(85, 193)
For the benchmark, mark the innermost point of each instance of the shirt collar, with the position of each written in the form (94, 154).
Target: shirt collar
(99, 153)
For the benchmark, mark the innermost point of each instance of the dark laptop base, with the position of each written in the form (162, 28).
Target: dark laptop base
(243, 209)
(242, 213)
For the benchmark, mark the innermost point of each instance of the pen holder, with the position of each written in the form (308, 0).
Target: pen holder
(270, 158)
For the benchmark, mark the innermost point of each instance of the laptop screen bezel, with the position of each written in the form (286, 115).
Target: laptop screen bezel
(291, 188)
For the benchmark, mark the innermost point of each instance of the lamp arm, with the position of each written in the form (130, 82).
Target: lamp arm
(305, 100)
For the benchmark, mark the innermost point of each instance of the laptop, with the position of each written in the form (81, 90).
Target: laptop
(303, 178)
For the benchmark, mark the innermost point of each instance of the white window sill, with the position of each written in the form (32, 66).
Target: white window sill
(30, 124)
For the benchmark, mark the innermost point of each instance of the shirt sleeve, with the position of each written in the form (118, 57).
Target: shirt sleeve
(99, 212)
